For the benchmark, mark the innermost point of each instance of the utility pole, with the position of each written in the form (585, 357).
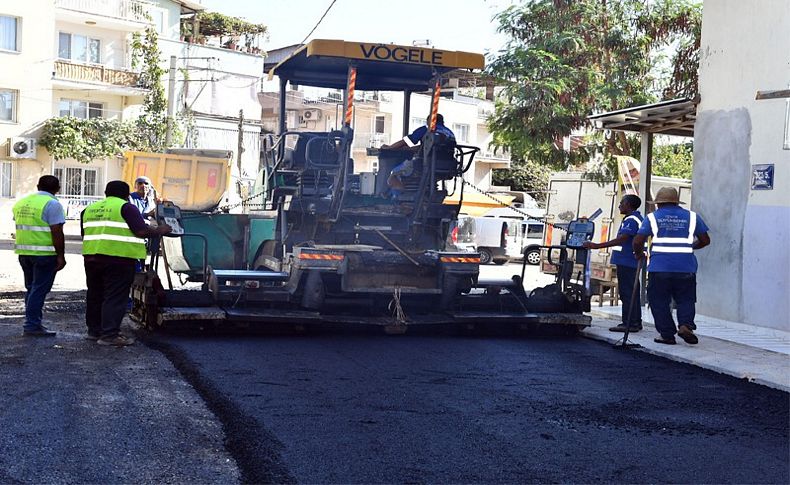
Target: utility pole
(171, 101)
(239, 151)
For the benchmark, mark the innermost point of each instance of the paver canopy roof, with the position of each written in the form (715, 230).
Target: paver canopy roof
(380, 67)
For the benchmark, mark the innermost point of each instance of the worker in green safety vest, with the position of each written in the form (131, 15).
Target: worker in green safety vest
(113, 233)
(40, 244)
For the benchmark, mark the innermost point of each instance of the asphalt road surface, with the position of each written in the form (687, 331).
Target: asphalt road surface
(418, 409)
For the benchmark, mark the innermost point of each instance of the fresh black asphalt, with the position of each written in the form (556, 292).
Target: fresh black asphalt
(341, 408)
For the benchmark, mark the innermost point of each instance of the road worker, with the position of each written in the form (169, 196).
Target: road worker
(411, 141)
(672, 270)
(144, 196)
(112, 233)
(623, 259)
(40, 244)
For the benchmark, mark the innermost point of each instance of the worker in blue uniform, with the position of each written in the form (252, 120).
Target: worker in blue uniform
(672, 268)
(623, 259)
(412, 142)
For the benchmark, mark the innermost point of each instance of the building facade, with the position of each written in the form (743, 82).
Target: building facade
(74, 58)
(742, 163)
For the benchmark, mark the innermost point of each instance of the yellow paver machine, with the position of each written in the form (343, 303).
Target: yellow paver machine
(324, 245)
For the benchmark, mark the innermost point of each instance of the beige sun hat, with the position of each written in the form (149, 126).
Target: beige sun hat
(666, 195)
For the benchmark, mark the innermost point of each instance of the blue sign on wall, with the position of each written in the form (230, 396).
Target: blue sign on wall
(763, 177)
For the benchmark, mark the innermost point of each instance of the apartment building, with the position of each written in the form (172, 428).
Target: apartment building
(74, 58)
(64, 57)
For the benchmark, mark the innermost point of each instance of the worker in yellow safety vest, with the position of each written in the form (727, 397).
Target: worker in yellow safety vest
(113, 233)
(40, 244)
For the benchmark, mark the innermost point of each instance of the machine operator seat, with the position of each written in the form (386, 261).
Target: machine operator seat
(323, 153)
(312, 180)
(447, 165)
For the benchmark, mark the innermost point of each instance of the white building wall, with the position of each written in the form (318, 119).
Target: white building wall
(28, 71)
(744, 275)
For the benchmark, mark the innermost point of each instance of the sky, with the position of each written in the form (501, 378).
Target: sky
(465, 25)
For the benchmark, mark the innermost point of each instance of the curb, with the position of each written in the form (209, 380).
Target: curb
(602, 334)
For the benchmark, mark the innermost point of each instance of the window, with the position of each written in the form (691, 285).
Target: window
(416, 122)
(5, 179)
(80, 109)
(78, 181)
(535, 231)
(461, 132)
(378, 125)
(8, 105)
(8, 33)
(79, 48)
(374, 166)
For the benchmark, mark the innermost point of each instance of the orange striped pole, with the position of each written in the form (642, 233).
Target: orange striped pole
(352, 81)
(437, 91)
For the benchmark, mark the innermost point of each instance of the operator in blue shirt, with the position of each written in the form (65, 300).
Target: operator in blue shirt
(623, 258)
(672, 268)
(406, 168)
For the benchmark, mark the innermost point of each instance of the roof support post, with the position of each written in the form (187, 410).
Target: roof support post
(406, 112)
(283, 114)
(645, 176)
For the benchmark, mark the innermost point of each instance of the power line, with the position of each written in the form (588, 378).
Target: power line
(319, 22)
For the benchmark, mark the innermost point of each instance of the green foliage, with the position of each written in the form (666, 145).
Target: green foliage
(526, 176)
(152, 124)
(673, 160)
(85, 140)
(214, 24)
(568, 59)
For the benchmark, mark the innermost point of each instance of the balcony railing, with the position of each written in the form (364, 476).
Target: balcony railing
(131, 10)
(500, 155)
(363, 141)
(95, 74)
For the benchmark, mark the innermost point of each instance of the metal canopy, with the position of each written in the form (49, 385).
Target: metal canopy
(674, 117)
(380, 67)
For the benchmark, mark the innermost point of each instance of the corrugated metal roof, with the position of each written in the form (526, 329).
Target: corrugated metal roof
(673, 117)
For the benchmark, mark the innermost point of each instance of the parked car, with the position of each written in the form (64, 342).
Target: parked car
(532, 239)
(497, 240)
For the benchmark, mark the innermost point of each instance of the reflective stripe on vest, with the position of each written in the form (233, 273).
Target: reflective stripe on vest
(680, 244)
(638, 223)
(106, 232)
(33, 234)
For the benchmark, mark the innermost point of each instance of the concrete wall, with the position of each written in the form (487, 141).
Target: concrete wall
(744, 275)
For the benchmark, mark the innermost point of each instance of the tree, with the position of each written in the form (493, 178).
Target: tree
(568, 59)
(673, 160)
(527, 176)
(152, 123)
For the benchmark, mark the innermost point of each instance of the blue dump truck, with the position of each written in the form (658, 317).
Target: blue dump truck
(318, 244)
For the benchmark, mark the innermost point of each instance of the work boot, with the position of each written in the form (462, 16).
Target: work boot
(41, 331)
(622, 328)
(687, 334)
(665, 340)
(118, 341)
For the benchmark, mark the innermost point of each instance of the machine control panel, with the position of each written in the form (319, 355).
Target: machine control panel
(579, 231)
(170, 214)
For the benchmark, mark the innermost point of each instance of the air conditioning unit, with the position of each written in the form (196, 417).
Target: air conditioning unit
(19, 147)
(311, 115)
